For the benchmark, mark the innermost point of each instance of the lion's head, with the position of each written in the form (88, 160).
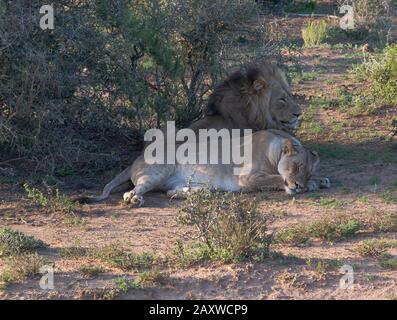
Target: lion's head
(257, 97)
(297, 165)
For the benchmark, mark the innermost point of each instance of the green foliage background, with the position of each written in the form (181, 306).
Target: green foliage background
(111, 69)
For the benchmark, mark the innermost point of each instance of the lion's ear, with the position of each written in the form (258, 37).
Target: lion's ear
(288, 147)
(259, 85)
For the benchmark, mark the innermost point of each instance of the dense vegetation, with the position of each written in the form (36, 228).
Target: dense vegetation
(109, 70)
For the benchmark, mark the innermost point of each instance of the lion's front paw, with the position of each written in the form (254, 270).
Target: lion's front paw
(127, 197)
(137, 201)
(133, 199)
(325, 183)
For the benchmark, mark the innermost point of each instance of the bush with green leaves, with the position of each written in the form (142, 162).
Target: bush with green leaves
(230, 225)
(381, 73)
(328, 229)
(110, 69)
(52, 203)
(315, 33)
(13, 242)
(383, 76)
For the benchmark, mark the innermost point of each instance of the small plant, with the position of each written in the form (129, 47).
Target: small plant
(198, 252)
(315, 33)
(385, 222)
(51, 203)
(124, 284)
(151, 277)
(91, 270)
(381, 73)
(375, 247)
(20, 267)
(319, 269)
(329, 203)
(389, 197)
(74, 252)
(333, 230)
(14, 242)
(295, 235)
(328, 229)
(323, 103)
(344, 99)
(229, 224)
(116, 256)
(387, 261)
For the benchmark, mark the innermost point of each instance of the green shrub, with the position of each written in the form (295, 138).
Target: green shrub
(386, 222)
(116, 256)
(333, 230)
(387, 261)
(327, 229)
(111, 69)
(123, 284)
(14, 242)
(91, 270)
(315, 33)
(52, 203)
(229, 224)
(20, 267)
(381, 73)
(295, 235)
(375, 247)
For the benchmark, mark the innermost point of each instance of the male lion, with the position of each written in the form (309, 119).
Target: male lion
(256, 97)
(278, 162)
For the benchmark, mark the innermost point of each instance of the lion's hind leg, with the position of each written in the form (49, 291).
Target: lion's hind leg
(184, 191)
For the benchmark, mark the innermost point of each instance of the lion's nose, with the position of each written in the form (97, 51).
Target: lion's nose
(297, 115)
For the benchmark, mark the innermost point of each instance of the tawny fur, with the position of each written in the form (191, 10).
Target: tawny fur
(278, 162)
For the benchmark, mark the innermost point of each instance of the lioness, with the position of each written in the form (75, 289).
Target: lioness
(279, 161)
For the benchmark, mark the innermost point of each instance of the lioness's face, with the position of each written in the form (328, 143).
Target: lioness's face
(283, 109)
(296, 168)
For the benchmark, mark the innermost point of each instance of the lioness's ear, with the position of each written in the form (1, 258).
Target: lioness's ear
(259, 85)
(288, 147)
(315, 154)
(316, 158)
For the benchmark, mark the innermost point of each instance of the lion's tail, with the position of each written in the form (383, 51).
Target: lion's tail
(119, 183)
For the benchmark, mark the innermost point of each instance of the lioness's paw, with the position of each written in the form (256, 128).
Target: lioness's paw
(325, 183)
(312, 186)
(178, 193)
(127, 197)
(137, 201)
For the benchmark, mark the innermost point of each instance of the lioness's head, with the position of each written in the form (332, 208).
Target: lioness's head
(296, 166)
(257, 97)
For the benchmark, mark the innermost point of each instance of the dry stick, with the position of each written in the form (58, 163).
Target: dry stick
(11, 160)
(311, 15)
